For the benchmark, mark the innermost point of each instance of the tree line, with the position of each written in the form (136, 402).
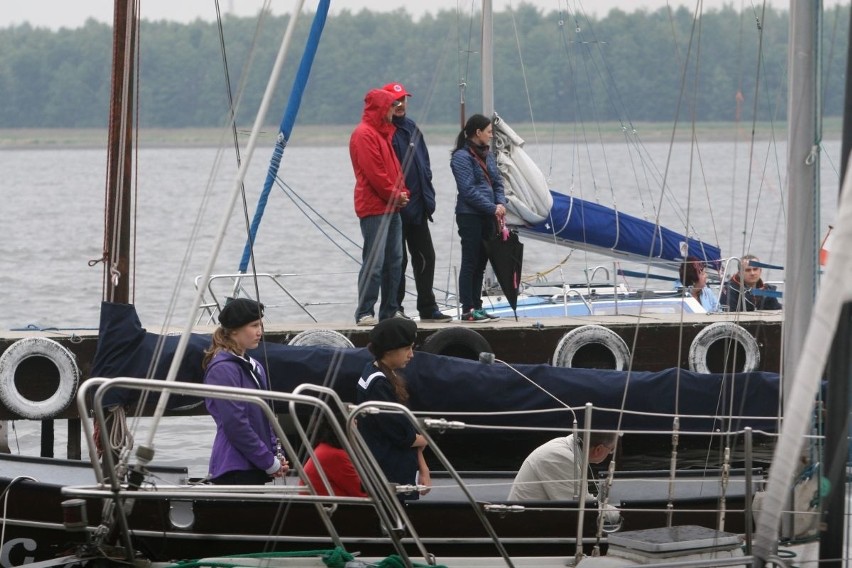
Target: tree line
(548, 67)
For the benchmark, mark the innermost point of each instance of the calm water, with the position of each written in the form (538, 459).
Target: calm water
(52, 225)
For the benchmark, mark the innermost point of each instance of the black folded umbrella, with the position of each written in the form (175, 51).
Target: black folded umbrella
(506, 254)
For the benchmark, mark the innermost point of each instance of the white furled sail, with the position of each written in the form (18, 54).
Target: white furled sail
(529, 199)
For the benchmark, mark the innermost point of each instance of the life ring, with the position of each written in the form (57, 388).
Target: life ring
(322, 338)
(591, 336)
(723, 331)
(69, 376)
(458, 342)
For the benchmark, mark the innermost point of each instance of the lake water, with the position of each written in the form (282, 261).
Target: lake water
(53, 217)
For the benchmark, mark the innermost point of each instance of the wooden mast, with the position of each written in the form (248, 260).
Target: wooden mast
(118, 264)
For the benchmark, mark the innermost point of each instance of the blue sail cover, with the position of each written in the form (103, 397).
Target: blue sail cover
(589, 226)
(287, 122)
(439, 385)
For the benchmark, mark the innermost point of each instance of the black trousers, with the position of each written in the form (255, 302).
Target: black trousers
(473, 230)
(242, 477)
(418, 240)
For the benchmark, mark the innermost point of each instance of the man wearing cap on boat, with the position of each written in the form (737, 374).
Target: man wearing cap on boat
(410, 148)
(379, 194)
(552, 472)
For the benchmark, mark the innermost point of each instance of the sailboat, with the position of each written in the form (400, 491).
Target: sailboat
(565, 301)
(169, 518)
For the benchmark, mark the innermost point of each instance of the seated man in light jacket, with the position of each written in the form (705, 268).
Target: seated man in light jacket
(553, 470)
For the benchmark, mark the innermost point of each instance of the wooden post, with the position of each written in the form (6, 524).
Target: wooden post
(4, 437)
(73, 447)
(47, 438)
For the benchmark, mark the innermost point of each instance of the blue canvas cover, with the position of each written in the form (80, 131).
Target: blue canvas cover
(589, 226)
(438, 384)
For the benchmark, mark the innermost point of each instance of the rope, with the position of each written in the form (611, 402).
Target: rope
(395, 561)
(119, 435)
(336, 558)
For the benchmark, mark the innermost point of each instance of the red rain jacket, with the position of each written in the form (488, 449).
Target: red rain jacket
(378, 175)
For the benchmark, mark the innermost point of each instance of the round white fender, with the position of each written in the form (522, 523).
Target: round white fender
(577, 338)
(321, 337)
(69, 376)
(723, 331)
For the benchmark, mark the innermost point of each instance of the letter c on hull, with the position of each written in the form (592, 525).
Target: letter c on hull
(29, 545)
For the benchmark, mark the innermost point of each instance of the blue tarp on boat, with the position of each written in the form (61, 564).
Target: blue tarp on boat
(439, 384)
(589, 226)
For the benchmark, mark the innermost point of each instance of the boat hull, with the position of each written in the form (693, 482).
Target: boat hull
(168, 529)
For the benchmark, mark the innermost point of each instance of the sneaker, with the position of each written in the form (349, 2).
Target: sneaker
(486, 314)
(437, 316)
(474, 316)
(366, 320)
(401, 314)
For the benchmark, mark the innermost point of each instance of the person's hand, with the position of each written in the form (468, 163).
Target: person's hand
(402, 199)
(425, 479)
(285, 467)
(500, 212)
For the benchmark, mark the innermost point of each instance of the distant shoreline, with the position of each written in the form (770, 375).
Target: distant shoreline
(338, 135)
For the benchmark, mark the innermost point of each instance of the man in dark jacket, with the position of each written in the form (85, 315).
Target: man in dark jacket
(413, 155)
(738, 294)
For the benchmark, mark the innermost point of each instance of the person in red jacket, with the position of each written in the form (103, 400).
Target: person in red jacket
(379, 194)
(334, 461)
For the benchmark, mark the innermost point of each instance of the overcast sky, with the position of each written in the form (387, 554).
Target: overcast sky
(72, 13)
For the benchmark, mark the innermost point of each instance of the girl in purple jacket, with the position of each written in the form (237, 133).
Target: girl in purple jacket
(244, 450)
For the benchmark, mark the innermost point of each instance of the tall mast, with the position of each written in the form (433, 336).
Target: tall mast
(802, 365)
(487, 58)
(831, 540)
(118, 231)
(803, 161)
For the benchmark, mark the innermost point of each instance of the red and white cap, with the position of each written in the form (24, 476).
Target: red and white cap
(397, 89)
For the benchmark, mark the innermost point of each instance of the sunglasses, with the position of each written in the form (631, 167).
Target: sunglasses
(396, 104)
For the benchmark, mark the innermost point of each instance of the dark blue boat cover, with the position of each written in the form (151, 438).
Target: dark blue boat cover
(589, 226)
(440, 384)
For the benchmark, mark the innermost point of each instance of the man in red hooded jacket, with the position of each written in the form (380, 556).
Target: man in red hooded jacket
(379, 193)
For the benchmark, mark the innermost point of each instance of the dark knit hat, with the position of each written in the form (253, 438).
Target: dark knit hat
(393, 333)
(239, 312)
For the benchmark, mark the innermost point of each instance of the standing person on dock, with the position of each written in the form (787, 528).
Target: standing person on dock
(411, 150)
(693, 275)
(738, 293)
(391, 437)
(244, 449)
(480, 205)
(379, 194)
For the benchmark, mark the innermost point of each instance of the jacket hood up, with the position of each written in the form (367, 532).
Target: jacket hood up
(377, 103)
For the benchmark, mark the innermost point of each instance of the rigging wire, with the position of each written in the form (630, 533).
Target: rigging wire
(464, 58)
(233, 127)
(206, 198)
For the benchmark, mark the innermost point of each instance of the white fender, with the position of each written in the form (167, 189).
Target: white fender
(321, 337)
(69, 376)
(572, 341)
(723, 331)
